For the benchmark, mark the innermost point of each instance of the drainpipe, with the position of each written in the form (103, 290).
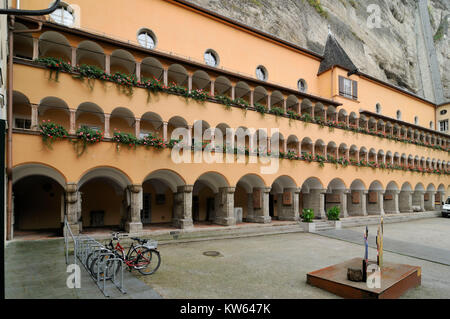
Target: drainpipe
(10, 120)
(19, 12)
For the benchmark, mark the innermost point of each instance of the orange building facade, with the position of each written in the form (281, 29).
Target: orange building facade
(139, 74)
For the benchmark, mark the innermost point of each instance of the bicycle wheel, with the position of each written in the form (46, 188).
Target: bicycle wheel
(98, 266)
(148, 261)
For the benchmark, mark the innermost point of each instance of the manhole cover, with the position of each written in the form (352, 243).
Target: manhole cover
(212, 253)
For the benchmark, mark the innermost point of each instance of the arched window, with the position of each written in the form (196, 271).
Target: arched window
(211, 57)
(399, 115)
(261, 73)
(301, 85)
(378, 108)
(431, 125)
(63, 15)
(147, 39)
(416, 120)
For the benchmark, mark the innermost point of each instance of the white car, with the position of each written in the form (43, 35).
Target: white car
(446, 208)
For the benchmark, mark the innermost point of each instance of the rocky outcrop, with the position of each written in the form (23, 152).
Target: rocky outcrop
(387, 52)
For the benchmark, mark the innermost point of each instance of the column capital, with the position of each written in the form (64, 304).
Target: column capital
(228, 189)
(135, 188)
(71, 187)
(185, 189)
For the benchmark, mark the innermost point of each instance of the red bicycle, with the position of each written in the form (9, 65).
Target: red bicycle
(144, 257)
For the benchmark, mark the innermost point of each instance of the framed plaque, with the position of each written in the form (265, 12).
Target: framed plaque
(355, 198)
(287, 198)
(426, 197)
(333, 198)
(373, 197)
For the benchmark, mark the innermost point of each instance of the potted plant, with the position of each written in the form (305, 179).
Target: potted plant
(307, 220)
(333, 215)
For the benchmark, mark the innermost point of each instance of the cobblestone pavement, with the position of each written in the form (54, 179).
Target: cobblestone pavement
(271, 266)
(37, 270)
(426, 239)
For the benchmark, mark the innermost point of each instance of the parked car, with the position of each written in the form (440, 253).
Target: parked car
(446, 208)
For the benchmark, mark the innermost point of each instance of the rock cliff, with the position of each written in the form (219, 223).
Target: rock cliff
(388, 51)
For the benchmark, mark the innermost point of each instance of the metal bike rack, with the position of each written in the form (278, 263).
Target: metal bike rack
(83, 246)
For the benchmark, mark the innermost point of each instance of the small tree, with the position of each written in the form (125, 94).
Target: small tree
(307, 215)
(333, 213)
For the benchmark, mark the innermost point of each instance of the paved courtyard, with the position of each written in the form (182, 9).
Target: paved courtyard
(272, 266)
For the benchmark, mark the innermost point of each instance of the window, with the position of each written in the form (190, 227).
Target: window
(211, 58)
(261, 73)
(63, 15)
(443, 126)
(348, 88)
(22, 123)
(443, 112)
(416, 120)
(301, 85)
(399, 115)
(147, 39)
(431, 124)
(378, 108)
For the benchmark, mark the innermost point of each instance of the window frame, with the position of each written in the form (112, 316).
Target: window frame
(148, 33)
(214, 55)
(305, 85)
(348, 88)
(63, 7)
(445, 122)
(264, 71)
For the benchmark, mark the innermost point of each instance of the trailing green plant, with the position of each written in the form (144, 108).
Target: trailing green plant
(151, 140)
(225, 100)
(50, 132)
(307, 215)
(260, 108)
(55, 65)
(277, 111)
(241, 102)
(293, 115)
(85, 136)
(199, 95)
(333, 213)
(178, 89)
(126, 139)
(152, 85)
(91, 72)
(125, 82)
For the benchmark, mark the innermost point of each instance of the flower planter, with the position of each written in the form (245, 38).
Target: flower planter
(309, 227)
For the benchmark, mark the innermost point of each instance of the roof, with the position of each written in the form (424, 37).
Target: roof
(334, 55)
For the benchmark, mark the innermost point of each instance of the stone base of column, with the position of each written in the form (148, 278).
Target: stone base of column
(225, 221)
(75, 228)
(406, 211)
(183, 223)
(131, 227)
(289, 218)
(261, 219)
(391, 211)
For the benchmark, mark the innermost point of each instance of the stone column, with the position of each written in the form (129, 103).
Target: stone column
(182, 217)
(74, 56)
(268, 101)
(430, 203)
(375, 202)
(212, 92)
(35, 48)
(260, 212)
(72, 208)
(107, 118)
(189, 135)
(138, 71)
(315, 200)
(356, 207)
(285, 105)
(108, 63)
(418, 200)
(133, 223)
(165, 137)
(34, 117)
(233, 92)
(137, 128)
(344, 204)
(166, 77)
(391, 202)
(252, 97)
(405, 202)
(289, 211)
(190, 83)
(224, 214)
(72, 129)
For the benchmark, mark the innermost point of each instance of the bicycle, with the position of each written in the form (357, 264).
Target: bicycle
(143, 257)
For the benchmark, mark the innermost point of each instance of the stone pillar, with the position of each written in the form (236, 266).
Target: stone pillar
(138, 71)
(107, 118)
(133, 223)
(182, 217)
(259, 206)
(212, 92)
(34, 117)
(224, 214)
(375, 202)
(405, 202)
(137, 128)
(418, 200)
(268, 101)
(285, 105)
(190, 83)
(356, 202)
(315, 200)
(430, 203)
(289, 204)
(108, 63)
(190, 135)
(233, 92)
(35, 48)
(252, 97)
(165, 137)
(391, 202)
(72, 208)
(166, 77)
(74, 56)
(72, 129)
(344, 204)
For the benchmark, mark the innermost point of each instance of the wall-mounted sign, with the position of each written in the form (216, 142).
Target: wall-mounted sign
(426, 197)
(287, 198)
(355, 198)
(373, 197)
(333, 198)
